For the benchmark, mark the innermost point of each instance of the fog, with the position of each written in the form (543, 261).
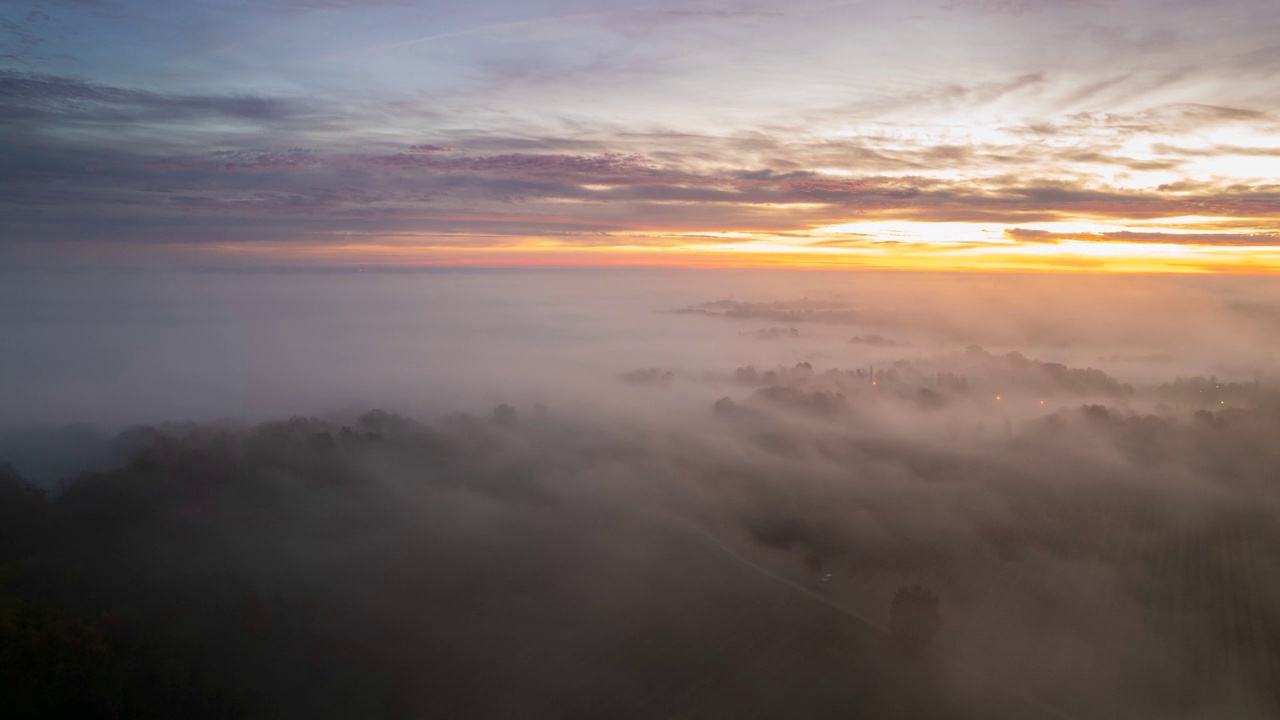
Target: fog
(648, 493)
(118, 349)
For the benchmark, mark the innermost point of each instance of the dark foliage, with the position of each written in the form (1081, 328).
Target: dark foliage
(914, 619)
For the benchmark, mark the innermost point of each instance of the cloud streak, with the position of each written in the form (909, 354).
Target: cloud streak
(658, 140)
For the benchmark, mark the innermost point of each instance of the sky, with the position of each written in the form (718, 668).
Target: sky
(1132, 135)
(536, 191)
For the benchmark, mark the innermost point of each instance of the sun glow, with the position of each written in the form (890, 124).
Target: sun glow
(764, 251)
(915, 232)
(1175, 244)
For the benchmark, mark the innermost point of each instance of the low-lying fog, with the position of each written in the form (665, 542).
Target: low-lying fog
(642, 493)
(117, 349)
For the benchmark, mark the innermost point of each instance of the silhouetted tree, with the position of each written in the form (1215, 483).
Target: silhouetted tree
(813, 562)
(504, 414)
(22, 512)
(914, 619)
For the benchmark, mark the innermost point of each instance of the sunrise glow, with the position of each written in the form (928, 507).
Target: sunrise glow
(982, 135)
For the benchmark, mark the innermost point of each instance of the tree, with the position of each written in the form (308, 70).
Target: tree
(504, 415)
(23, 510)
(914, 619)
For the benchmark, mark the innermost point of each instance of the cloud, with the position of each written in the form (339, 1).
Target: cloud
(1224, 239)
(92, 159)
(292, 193)
(1216, 151)
(577, 502)
(34, 97)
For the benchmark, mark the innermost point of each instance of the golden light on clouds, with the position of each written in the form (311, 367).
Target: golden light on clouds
(1064, 256)
(889, 134)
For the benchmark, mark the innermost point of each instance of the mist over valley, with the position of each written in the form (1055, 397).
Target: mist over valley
(640, 493)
